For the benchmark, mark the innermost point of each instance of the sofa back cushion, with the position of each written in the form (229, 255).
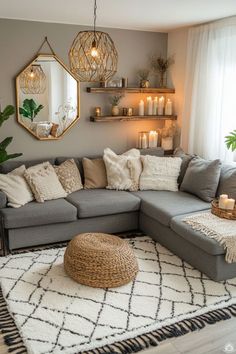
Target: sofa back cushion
(95, 175)
(227, 184)
(202, 178)
(186, 158)
(8, 166)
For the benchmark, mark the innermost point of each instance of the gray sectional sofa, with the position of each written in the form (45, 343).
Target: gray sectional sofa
(158, 214)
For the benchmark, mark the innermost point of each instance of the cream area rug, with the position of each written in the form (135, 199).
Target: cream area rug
(54, 314)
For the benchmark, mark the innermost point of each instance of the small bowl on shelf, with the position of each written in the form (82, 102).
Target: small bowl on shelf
(229, 214)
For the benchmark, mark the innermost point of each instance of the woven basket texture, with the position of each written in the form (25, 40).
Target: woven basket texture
(222, 213)
(100, 260)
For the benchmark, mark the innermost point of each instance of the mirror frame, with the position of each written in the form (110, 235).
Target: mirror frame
(17, 88)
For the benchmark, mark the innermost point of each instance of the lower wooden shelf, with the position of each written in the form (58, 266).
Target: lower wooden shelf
(129, 118)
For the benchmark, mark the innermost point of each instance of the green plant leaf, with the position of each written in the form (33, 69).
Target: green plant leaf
(38, 109)
(230, 140)
(4, 156)
(30, 109)
(8, 111)
(4, 144)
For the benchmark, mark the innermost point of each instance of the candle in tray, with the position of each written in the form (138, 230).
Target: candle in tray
(160, 109)
(141, 108)
(223, 201)
(155, 105)
(230, 204)
(149, 106)
(168, 108)
(143, 140)
(153, 137)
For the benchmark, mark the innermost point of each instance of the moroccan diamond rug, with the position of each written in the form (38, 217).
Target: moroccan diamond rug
(54, 314)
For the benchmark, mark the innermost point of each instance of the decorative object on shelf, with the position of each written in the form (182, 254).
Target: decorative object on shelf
(115, 100)
(7, 112)
(223, 213)
(115, 83)
(141, 108)
(152, 139)
(143, 76)
(230, 140)
(124, 82)
(168, 108)
(93, 56)
(33, 80)
(160, 108)
(128, 111)
(143, 140)
(149, 106)
(98, 111)
(167, 137)
(58, 104)
(30, 109)
(160, 66)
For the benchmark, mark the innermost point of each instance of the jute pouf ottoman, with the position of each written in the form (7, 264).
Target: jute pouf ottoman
(100, 260)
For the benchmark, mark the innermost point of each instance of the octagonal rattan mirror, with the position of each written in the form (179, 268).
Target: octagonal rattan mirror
(47, 97)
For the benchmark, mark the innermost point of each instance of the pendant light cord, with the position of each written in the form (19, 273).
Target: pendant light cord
(94, 17)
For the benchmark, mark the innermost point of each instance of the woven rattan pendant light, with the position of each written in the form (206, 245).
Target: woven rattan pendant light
(33, 80)
(93, 56)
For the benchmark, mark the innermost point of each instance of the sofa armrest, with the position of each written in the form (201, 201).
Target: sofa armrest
(3, 200)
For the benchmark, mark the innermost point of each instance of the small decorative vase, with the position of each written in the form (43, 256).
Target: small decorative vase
(144, 83)
(115, 110)
(162, 80)
(167, 143)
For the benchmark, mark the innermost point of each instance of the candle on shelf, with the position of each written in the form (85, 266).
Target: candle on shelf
(155, 105)
(160, 109)
(149, 105)
(143, 140)
(223, 201)
(152, 139)
(168, 108)
(97, 111)
(230, 204)
(141, 108)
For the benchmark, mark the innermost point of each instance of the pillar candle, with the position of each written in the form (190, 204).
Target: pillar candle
(155, 105)
(223, 201)
(149, 106)
(153, 137)
(230, 204)
(168, 108)
(161, 106)
(144, 142)
(141, 108)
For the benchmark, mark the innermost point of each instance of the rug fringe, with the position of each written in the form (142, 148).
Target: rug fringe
(9, 330)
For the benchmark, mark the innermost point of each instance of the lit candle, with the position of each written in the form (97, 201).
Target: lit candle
(161, 106)
(149, 106)
(155, 105)
(153, 137)
(144, 141)
(141, 108)
(168, 108)
(230, 204)
(223, 201)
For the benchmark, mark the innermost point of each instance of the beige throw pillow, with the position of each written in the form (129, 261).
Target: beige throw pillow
(69, 176)
(95, 175)
(16, 188)
(44, 182)
(160, 173)
(123, 171)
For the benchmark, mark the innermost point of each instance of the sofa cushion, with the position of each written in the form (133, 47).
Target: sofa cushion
(164, 205)
(200, 240)
(227, 184)
(34, 214)
(100, 202)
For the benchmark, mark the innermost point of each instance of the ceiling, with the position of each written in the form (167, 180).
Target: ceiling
(147, 15)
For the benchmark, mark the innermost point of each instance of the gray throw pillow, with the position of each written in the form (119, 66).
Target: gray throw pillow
(186, 158)
(227, 183)
(202, 178)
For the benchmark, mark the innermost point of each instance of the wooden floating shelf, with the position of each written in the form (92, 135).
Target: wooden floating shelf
(130, 118)
(129, 90)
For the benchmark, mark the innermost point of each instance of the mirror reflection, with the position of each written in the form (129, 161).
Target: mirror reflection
(47, 98)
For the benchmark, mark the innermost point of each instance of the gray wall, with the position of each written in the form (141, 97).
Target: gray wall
(19, 42)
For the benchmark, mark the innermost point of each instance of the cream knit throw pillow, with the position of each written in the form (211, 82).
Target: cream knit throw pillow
(44, 182)
(16, 188)
(123, 171)
(160, 173)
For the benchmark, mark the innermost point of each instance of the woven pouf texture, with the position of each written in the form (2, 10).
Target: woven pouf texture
(100, 260)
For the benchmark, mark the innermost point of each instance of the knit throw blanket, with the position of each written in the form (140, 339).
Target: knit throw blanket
(222, 230)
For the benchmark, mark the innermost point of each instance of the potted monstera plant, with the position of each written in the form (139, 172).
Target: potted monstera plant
(4, 115)
(230, 140)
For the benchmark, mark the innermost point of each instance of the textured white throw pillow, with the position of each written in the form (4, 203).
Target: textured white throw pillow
(16, 188)
(160, 173)
(123, 171)
(44, 182)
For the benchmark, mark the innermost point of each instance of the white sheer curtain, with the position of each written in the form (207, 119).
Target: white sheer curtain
(210, 94)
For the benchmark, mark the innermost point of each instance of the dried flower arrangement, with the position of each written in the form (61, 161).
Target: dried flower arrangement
(160, 66)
